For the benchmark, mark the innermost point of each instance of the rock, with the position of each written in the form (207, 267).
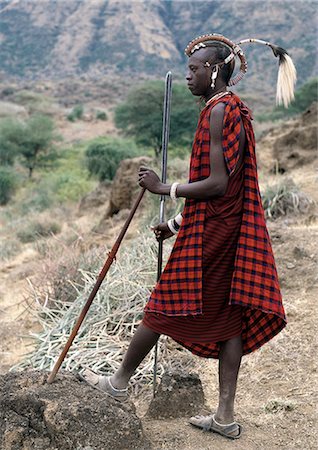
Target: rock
(67, 414)
(178, 395)
(125, 184)
(290, 145)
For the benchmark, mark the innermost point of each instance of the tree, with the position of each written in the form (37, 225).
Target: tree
(31, 140)
(37, 147)
(141, 115)
(104, 156)
(10, 135)
(8, 184)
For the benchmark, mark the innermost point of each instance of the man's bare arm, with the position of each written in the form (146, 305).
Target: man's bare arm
(215, 184)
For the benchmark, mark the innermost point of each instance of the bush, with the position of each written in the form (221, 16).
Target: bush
(103, 157)
(76, 113)
(101, 115)
(8, 184)
(38, 229)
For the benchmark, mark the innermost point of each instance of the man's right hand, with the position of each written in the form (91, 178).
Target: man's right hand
(162, 231)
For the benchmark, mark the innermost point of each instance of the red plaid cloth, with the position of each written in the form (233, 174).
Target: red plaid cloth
(255, 281)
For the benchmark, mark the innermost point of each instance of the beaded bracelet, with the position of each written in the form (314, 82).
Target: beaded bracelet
(171, 226)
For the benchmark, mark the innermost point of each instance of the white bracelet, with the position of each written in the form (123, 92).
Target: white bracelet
(173, 191)
(178, 219)
(171, 226)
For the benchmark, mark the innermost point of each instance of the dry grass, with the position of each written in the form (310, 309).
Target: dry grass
(112, 319)
(284, 198)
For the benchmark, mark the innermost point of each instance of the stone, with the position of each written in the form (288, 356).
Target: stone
(67, 414)
(178, 395)
(125, 186)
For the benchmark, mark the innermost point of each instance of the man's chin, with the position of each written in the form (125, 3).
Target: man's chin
(194, 92)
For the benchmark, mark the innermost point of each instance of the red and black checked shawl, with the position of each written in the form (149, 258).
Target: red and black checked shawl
(255, 282)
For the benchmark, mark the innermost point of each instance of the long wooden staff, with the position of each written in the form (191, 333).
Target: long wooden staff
(165, 141)
(99, 281)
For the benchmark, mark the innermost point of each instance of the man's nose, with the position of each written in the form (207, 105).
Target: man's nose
(188, 76)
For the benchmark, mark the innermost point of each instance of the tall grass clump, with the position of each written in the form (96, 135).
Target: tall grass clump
(111, 321)
(284, 198)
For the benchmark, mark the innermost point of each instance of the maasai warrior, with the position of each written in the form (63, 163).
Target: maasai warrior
(218, 295)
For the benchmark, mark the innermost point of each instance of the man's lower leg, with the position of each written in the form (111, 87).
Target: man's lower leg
(142, 342)
(229, 364)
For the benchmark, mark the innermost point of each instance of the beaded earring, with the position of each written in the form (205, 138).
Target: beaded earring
(214, 76)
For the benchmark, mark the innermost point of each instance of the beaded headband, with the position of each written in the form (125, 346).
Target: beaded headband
(286, 72)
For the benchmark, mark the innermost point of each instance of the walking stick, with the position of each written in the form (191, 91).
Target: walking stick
(165, 141)
(99, 281)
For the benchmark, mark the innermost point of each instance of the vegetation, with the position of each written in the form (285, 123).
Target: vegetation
(10, 135)
(32, 141)
(140, 115)
(76, 113)
(113, 317)
(38, 229)
(101, 115)
(104, 155)
(304, 97)
(283, 198)
(8, 184)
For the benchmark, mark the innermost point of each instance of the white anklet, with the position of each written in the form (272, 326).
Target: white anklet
(118, 390)
(222, 424)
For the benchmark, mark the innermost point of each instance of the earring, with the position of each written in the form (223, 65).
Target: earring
(214, 76)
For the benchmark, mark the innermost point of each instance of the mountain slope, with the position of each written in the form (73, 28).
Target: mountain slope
(54, 39)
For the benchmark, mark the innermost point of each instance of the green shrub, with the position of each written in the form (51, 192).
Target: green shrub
(76, 113)
(8, 184)
(101, 115)
(104, 156)
(38, 229)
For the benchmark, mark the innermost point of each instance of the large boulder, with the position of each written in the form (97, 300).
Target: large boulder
(291, 144)
(125, 184)
(65, 415)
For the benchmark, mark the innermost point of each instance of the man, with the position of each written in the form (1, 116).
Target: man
(218, 295)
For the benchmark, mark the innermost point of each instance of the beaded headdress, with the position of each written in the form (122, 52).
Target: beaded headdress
(286, 72)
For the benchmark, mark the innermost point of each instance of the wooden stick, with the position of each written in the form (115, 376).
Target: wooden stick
(99, 281)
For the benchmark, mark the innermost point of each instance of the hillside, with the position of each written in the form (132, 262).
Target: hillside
(92, 39)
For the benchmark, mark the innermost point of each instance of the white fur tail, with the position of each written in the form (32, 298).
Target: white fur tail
(286, 80)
